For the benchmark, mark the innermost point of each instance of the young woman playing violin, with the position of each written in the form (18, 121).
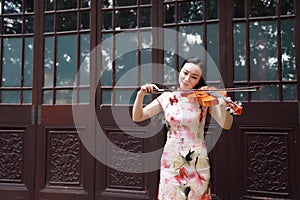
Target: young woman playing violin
(185, 169)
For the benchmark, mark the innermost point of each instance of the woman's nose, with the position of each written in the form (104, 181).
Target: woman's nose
(186, 78)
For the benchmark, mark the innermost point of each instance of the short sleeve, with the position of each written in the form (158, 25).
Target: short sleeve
(163, 99)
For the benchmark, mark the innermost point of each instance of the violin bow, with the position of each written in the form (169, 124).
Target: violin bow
(239, 89)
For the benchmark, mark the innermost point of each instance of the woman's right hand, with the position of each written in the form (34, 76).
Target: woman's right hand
(148, 89)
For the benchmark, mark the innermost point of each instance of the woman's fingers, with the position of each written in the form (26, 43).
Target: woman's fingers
(149, 88)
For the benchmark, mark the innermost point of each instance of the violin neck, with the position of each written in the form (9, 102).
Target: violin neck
(216, 94)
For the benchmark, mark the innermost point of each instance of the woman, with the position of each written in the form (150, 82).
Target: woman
(185, 170)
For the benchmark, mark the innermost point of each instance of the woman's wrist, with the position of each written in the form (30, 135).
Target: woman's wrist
(141, 93)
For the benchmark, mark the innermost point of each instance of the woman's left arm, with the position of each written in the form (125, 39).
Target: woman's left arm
(221, 115)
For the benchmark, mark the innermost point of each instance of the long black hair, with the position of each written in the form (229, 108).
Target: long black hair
(196, 61)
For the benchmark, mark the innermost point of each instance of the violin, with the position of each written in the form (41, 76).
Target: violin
(210, 96)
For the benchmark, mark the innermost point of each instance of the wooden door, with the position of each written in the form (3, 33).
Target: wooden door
(258, 159)
(64, 167)
(123, 65)
(43, 44)
(18, 105)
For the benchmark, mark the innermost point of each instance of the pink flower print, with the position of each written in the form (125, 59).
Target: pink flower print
(182, 176)
(165, 164)
(174, 121)
(188, 132)
(206, 196)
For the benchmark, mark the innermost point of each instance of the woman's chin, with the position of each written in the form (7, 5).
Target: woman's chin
(185, 87)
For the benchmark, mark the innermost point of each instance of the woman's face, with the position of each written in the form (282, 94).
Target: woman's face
(189, 76)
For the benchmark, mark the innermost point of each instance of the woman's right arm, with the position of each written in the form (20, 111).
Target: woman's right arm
(140, 113)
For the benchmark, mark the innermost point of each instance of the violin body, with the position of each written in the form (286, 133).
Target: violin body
(210, 98)
(205, 99)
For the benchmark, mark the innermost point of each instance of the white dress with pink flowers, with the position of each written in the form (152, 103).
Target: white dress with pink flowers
(185, 170)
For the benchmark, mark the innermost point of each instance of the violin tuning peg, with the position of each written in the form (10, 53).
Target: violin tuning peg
(228, 108)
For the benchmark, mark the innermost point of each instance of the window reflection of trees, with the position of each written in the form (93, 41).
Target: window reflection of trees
(264, 47)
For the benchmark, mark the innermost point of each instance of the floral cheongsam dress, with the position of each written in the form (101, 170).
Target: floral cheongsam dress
(185, 170)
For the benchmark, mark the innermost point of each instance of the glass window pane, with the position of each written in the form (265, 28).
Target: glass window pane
(85, 20)
(64, 96)
(124, 97)
(126, 59)
(190, 11)
(170, 72)
(263, 51)
(266, 92)
(29, 6)
(86, 3)
(169, 13)
(48, 61)
(212, 9)
(213, 42)
(0, 23)
(84, 96)
(190, 41)
(15, 6)
(287, 7)
(10, 97)
(67, 21)
(66, 4)
(239, 8)
(49, 5)
(288, 50)
(13, 25)
(240, 70)
(27, 96)
(289, 91)
(66, 60)
(259, 8)
(106, 96)
(28, 62)
(170, 63)
(107, 3)
(107, 59)
(49, 23)
(48, 97)
(241, 96)
(107, 20)
(126, 69)
(12, 62)
(126, 19)
(29, 24)
(145, 2)
(84, 59)
(145, 17)
(146, 56)
(125, 3)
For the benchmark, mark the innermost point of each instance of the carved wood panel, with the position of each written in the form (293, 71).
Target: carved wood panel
(266, 163)
(119, 182)
(11, 156)
(64, 169)
(63, 158)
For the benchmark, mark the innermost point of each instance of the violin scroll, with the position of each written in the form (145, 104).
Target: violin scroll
(235, 108)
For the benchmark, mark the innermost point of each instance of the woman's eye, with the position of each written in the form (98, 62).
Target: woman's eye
(185, 73)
